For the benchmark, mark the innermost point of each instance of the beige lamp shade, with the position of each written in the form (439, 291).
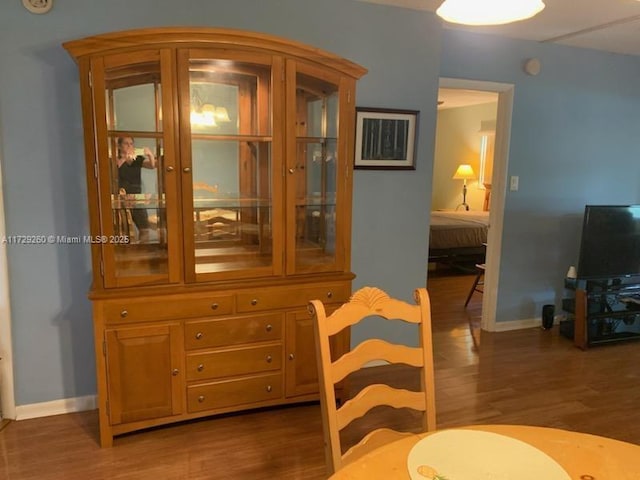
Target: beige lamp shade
(488, 12)
(464, 172)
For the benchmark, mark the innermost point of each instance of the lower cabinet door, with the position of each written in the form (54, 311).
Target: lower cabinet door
(301, 369)
(144, 372)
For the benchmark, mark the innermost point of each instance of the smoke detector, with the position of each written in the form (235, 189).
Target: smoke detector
(38, 6)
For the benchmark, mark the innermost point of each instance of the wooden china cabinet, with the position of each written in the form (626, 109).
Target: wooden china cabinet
(203, 267)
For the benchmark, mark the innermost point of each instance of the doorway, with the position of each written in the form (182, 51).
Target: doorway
(497, 180)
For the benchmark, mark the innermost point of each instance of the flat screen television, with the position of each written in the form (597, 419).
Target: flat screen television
(610, 244)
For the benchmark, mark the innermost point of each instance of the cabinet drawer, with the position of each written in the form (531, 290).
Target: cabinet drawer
(283, 297)
(239, 361)
(229, 393)
(233, 331)
(158, 308)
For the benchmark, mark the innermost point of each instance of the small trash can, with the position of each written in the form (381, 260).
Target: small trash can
(548, 312)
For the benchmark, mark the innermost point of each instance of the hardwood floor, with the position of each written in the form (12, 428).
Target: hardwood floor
(531, 377)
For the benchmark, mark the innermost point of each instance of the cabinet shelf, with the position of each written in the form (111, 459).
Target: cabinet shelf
(615, 337)
(232, 138)
(321, 140)
(129, 201)
(613, 314)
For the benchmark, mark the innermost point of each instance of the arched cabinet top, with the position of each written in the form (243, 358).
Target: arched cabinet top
(197, 37)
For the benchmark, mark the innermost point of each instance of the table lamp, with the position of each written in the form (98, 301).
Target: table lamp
(464, 172)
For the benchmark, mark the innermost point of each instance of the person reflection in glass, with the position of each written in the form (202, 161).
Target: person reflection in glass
(130, 179)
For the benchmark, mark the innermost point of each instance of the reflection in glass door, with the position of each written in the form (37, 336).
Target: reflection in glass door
(229, 211)
(315, 172)
(136, 248)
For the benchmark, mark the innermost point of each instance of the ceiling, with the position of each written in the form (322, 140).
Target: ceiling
(456, 97)
(608, 25)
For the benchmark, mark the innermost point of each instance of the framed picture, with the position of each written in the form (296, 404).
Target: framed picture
(386, 138)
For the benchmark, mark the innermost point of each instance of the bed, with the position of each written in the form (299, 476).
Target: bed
(458, 236)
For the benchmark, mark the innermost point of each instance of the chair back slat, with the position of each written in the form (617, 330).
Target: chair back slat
(375, 350)
(368, 302)
(374, 439)
(375, 396)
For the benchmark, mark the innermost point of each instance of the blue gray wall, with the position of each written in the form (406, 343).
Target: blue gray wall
(572, 143)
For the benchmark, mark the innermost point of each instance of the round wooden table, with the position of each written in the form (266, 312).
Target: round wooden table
(583, 456)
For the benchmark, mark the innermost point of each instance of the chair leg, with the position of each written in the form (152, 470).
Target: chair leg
(473, 287)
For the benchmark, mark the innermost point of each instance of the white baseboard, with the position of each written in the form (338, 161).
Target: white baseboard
(56, 407)
(498, 327)
(517, 324)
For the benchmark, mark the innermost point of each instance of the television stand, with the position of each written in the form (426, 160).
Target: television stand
(602, 311)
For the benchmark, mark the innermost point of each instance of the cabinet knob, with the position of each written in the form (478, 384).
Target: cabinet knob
(186, 169)
(199, 335)
(124, 313)
(329, 294)
(269, 388)
(269, 327)
(175, 372)
(269, 358)
(292, 356)
(214, 306)
(254, 302)
(200, 367)
(169, 168)
(292, 171)
(201, 398)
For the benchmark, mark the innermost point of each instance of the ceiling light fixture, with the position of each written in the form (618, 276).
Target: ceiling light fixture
(204, 116)
(488, 12)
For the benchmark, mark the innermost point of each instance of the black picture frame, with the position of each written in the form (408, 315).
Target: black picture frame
(386, 138)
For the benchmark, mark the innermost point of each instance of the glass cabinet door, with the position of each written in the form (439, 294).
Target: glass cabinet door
(228, 162)
(315, 174)
(132, 102)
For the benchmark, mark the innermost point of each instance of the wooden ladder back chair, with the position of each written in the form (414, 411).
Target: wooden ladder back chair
(370, 302)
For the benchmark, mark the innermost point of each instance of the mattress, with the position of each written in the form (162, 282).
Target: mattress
(460, 229)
